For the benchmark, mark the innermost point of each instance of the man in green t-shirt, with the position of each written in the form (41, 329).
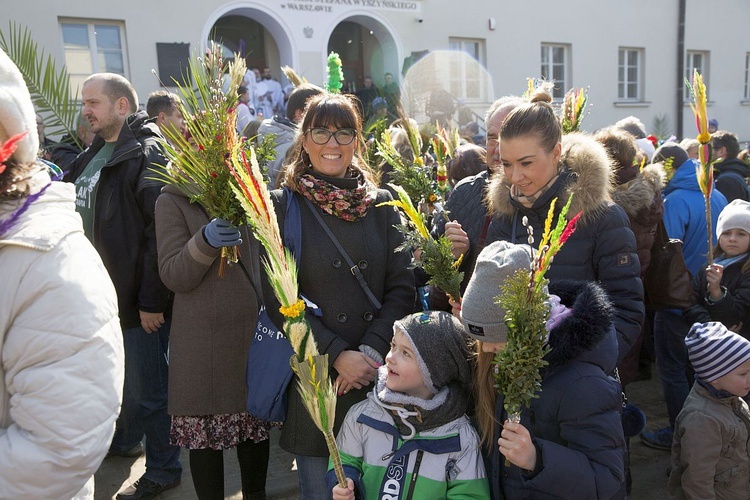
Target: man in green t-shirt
(116, 195)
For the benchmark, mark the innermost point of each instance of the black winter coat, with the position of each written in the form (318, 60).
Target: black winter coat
(732, 309)
(734, 187)
(467, 206)
(602, 249)
(124, 229)
(575, 422)
(348, 318)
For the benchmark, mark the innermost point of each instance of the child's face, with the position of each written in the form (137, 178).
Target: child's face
(737, 381)
(734, 242)
(403, 370)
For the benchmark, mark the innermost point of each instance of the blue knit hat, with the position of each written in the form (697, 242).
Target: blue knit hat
(378, 103)
(715, 351)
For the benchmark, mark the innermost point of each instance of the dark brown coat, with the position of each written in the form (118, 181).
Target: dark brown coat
(213, 318)
(641, 200)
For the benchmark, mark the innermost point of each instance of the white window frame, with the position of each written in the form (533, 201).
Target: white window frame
(458, 83)
(702, 67)
(547, 68)
(94, 52)
(624, 78)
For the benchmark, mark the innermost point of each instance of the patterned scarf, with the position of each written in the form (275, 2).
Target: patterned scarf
(528, 201)
(346, 203)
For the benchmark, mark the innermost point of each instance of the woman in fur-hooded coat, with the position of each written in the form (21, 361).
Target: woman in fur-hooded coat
(640, 197)
(603, 247)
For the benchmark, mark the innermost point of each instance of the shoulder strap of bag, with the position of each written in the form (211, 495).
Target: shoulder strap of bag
(352, 266)
(293, 225)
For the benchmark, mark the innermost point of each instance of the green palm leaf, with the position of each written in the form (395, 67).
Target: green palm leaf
(49, 88)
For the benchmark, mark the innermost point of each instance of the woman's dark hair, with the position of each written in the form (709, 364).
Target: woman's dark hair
(537, 118)
(467, 160)
(337, 110)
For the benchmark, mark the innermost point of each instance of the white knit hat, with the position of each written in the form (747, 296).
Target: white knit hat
(16, 111)
(736, 215)
(715, 351)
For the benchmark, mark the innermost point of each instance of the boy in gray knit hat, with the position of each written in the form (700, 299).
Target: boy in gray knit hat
(413, 423)
(710, 451)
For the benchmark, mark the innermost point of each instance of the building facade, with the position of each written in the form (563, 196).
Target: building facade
(632, 56)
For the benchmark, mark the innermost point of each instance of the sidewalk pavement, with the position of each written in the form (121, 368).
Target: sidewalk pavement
(648, 466)
(281, 484)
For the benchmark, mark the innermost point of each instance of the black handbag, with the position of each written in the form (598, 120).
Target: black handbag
(667, 282)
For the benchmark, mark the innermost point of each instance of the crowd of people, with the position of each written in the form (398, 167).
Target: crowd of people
(119, 324)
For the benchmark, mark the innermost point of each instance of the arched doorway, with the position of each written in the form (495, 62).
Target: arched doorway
(258, 35)
(366, 48)
(246, 36)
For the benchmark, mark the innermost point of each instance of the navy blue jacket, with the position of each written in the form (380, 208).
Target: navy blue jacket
(575, 423)
(603, 247)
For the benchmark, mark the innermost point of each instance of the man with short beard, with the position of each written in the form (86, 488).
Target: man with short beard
(115, 196)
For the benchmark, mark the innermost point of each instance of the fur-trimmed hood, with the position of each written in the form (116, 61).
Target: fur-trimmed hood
(639, 193)
(586, 174)
(588, 334)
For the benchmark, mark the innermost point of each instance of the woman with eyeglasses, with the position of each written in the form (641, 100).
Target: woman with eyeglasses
(332, 186)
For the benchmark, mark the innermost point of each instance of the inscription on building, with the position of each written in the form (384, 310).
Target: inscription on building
(329, 6)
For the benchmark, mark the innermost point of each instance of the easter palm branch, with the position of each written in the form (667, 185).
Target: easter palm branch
(524, 297)
(314, 383)
(436, 255)
(704, 169)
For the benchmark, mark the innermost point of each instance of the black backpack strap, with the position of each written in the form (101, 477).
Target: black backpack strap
(352, 266)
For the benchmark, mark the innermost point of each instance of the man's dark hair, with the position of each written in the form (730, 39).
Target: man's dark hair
(115, 87)
(161, 101)
(724, 139)
(298, 98)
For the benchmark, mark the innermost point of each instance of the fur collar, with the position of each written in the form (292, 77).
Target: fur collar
(589, 177)
(582, 335)
(640, 192)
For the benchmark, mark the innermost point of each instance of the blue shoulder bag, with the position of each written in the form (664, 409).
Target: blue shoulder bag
(268, 372)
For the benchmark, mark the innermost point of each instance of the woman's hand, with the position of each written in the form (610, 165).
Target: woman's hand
(516, 445)
(714, 272)
(458, 238)
(347, 493)
(355, 369)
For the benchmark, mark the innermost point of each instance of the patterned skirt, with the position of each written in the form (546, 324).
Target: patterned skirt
(217, 432)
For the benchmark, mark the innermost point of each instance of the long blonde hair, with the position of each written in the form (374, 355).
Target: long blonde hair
(485, 395)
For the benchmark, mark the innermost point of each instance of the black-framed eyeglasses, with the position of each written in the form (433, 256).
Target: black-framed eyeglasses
(343, 136)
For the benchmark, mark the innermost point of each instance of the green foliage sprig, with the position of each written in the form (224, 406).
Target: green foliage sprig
(201, 169)
(436, 256)
(517, 367)
(524, 297)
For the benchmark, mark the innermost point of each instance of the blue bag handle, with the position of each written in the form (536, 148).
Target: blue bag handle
(293, 225)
